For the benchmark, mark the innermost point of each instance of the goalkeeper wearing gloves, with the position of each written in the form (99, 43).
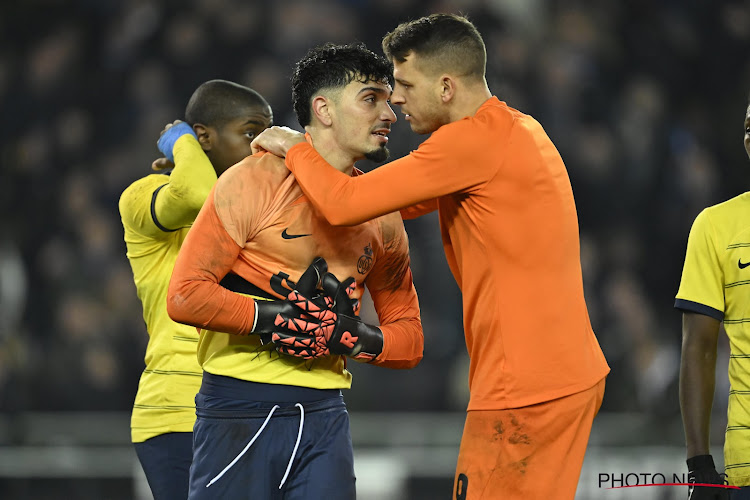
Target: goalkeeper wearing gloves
(268, 421)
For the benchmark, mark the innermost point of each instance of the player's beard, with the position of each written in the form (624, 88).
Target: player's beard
(378, 155)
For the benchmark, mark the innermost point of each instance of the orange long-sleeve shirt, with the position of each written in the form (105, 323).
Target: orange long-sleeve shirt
(510, 233)
(258, 225)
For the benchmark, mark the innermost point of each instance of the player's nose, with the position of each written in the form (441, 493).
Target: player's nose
(387, 114)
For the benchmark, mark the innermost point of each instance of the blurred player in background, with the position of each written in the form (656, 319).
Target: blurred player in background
(270, 425)
(157, 211)
(510, 233)
(715, 287)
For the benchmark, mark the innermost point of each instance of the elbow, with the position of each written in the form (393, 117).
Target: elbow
(412, 363)
(195, 199)
(338, 215)
(339, 218)
(178, 307)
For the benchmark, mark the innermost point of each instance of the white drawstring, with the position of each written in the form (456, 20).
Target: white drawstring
(247, 447)
(296, 445)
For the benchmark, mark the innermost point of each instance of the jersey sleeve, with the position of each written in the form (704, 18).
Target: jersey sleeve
(176, 204)
(419, 209)
(135, 208)
(702, 284)
(395, 299)
(450, 161)
(195, 296)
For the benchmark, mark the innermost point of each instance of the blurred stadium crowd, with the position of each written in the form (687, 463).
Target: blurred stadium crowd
(645, 100)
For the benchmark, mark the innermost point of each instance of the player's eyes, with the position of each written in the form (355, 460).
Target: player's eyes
(250, 134)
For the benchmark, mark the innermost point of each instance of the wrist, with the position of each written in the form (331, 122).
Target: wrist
(295, 147)
(370, 344)
(168, 139)
(698, 462)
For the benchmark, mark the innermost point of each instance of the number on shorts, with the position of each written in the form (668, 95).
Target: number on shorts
(462, 483)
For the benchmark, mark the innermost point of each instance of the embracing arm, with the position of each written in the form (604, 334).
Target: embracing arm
(419, 209)
(432, 171)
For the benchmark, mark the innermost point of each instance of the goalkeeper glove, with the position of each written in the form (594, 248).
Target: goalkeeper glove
(701, 470)
(170, 135)
(340, 330)
(282, 315)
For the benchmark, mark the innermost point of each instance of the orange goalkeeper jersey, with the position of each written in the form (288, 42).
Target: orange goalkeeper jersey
(257, 227)
(510, 233)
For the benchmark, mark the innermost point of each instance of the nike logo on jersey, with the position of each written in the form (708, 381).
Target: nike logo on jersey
(742, 266)
(288, 236)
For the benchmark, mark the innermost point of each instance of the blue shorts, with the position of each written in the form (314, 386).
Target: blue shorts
(266, 441)
(166, 461)
(742, 494)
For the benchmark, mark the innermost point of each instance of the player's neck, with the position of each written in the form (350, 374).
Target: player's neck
(468, 102)
(327, 147)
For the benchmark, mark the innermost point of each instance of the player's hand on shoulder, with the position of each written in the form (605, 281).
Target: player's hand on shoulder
(277, 140)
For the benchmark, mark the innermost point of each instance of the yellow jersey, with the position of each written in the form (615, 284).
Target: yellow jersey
(157, 211)
(716, 282)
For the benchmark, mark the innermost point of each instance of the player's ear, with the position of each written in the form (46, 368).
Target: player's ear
(204, 136)
(447, 88)
(322, 110)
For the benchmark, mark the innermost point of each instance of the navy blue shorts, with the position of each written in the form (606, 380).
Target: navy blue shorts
(166, 461)
(742, 494)
(265, 441)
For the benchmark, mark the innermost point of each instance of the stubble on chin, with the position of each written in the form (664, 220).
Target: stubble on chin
(378, 155)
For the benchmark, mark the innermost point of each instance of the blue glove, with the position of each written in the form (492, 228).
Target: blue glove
(168, 138)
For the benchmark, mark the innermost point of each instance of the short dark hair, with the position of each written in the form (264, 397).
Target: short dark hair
(332, 66)
(216, 102)
(441, 41)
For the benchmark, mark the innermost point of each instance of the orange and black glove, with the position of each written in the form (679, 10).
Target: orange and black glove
(339, 330)
(283, 316)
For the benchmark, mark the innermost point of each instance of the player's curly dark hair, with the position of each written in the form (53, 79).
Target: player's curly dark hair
(332, 66)
(216, 102)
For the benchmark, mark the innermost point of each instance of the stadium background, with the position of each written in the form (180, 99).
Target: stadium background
(644, 99)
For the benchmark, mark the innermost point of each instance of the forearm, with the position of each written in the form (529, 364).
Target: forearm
(346, 201)
(179, 202)
(195, 296)
(203, 303)
(403, 344)
(419, 209)
(697, 380)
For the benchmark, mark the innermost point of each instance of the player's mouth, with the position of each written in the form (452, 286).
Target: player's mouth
(382, 134)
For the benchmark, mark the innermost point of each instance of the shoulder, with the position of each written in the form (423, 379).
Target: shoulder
(258, 170)
(729, 216)
(492, 121)
(142, 189)
(732, 205)
(391, 228)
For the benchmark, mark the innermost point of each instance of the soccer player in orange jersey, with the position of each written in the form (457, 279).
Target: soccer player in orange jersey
(273, 425)
(510, 234)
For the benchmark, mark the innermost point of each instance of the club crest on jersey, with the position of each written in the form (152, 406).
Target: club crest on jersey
(364, 264)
